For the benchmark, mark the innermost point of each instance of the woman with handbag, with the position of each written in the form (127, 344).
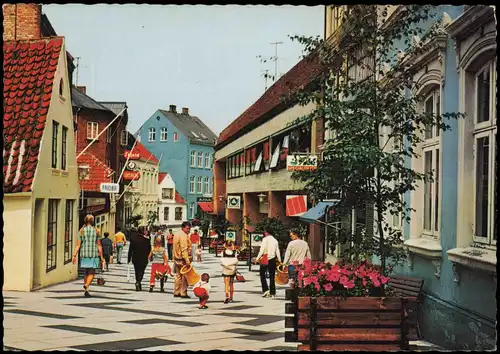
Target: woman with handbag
(229, 260)
(90, 248)
(268, 257)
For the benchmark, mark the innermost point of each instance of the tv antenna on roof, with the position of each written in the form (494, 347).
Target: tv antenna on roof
(77, 65)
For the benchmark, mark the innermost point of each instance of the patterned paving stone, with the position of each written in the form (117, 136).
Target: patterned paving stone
(87, 330)
(41, 314)
(165, 321)
(130, 344)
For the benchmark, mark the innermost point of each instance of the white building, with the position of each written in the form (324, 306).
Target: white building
(141, 195)
(171, 206)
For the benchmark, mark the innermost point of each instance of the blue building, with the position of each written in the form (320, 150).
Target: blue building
(451, 239)
(185, 147)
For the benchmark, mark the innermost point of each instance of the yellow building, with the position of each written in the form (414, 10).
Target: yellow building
(40, 171)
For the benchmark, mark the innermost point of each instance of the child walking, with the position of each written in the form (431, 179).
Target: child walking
(160, 265)
(229, 261)
(202, 290)
(107, 249)
(198, 255)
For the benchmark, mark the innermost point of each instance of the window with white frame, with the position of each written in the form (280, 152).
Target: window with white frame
(200, 159)
(92, 130)
(163, 134)
(211, 185)
(191, 210)
(166, 210)
(167, 193)
(431, 163)
(198, 185)
(123, 138)
(205, 185)
(207, 160)
(152, 134)
(484, 150)
(192, 159)
(191, 184)
(178, 213)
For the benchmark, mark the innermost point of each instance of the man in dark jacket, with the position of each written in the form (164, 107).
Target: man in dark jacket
(107, 249)
(138, 253)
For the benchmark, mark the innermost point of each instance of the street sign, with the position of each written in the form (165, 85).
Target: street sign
(257, 239)
(302, 162)
(230, 235)
(110, 188)
(132, 156)
(234, 202)
(131, 175)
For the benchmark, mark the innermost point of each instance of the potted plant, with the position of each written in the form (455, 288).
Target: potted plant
(340, 307)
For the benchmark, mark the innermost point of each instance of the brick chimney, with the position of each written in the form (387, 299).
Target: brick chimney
(185, 111)
(21, 21)
(173, 108)
(82, 89)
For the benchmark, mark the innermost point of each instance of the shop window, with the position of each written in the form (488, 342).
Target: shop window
(294, 141)
(52, 235)
(68, 231)
(236, 165)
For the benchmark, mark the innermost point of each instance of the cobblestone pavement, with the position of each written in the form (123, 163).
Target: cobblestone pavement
(117, 317)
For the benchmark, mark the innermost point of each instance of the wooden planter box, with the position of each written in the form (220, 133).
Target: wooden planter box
(357, 323)
(244, 257)
(219, 249)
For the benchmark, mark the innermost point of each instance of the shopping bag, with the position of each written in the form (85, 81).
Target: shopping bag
(239, 277)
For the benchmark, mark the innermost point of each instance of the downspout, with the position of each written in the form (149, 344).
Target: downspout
(15, 24)
(324, 26)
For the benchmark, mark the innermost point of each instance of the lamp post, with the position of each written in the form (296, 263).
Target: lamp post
(83, 172)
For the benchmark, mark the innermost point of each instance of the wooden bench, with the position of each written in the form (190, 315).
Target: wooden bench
(410, 288)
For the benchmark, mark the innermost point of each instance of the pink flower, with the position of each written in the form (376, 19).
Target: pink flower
(332, 275)
(384, 280)
(376, 283)
(328, 287)
(349, 284)
(364, 282)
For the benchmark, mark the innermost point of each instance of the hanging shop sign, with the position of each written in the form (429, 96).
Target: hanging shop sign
(257, 239)
(234, 202)
(110, 188)
(131, 175)
(204, 200)
(230, 235)
(132, 156)
(296, 205)
(131, 165)
(302, 162)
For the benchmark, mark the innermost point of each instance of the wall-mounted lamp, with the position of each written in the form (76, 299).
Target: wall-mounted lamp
(262, 197)
(221, 198)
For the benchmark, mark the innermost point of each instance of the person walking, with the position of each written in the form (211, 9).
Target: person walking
(181, 258)
(160, 264)
(269, 255)
(120, 242)
(170, 243)
(107, 249)
(140, 247)
(229, 260)
(195, 243)
(296, 251)
(91, 255)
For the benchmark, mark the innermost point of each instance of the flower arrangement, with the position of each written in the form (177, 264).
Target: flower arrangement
(344, 280)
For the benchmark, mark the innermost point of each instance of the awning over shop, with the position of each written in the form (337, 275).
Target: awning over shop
(206, 206)
(316, 212)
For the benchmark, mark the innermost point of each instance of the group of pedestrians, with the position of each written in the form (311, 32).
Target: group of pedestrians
(181, 248)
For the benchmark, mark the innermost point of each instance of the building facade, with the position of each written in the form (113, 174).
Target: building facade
(40, 175)
(186, 146)
(103, 155)
(141, 183)
(451, 238)
(172, 209)
(251, 156)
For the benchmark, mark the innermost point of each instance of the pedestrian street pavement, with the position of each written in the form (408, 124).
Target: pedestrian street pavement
(117, 317)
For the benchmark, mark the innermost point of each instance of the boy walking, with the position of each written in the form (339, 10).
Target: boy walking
(107, 249)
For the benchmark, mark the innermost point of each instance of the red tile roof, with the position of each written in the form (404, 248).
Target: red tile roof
(178, 198)
(29, 70)
(144, 153)
(99, 172)
(302, 74)
(161, 176)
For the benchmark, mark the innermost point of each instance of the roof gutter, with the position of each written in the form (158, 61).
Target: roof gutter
(18, 195)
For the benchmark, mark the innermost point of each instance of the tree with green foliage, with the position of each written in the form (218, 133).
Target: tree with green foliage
(357, 166)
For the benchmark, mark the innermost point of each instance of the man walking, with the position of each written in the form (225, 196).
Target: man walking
(269, 255)
(297, 250)
(107, 249)
(181, 258)
(120, 242)
(170, 243)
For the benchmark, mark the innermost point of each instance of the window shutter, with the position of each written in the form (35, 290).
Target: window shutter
(248, 152)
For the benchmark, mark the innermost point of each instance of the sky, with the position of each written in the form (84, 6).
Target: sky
(200, 57)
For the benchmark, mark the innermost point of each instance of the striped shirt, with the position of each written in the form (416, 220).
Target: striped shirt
(89, 241)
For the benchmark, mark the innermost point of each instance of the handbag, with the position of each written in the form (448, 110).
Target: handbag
(264, 260)
(239, 277)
